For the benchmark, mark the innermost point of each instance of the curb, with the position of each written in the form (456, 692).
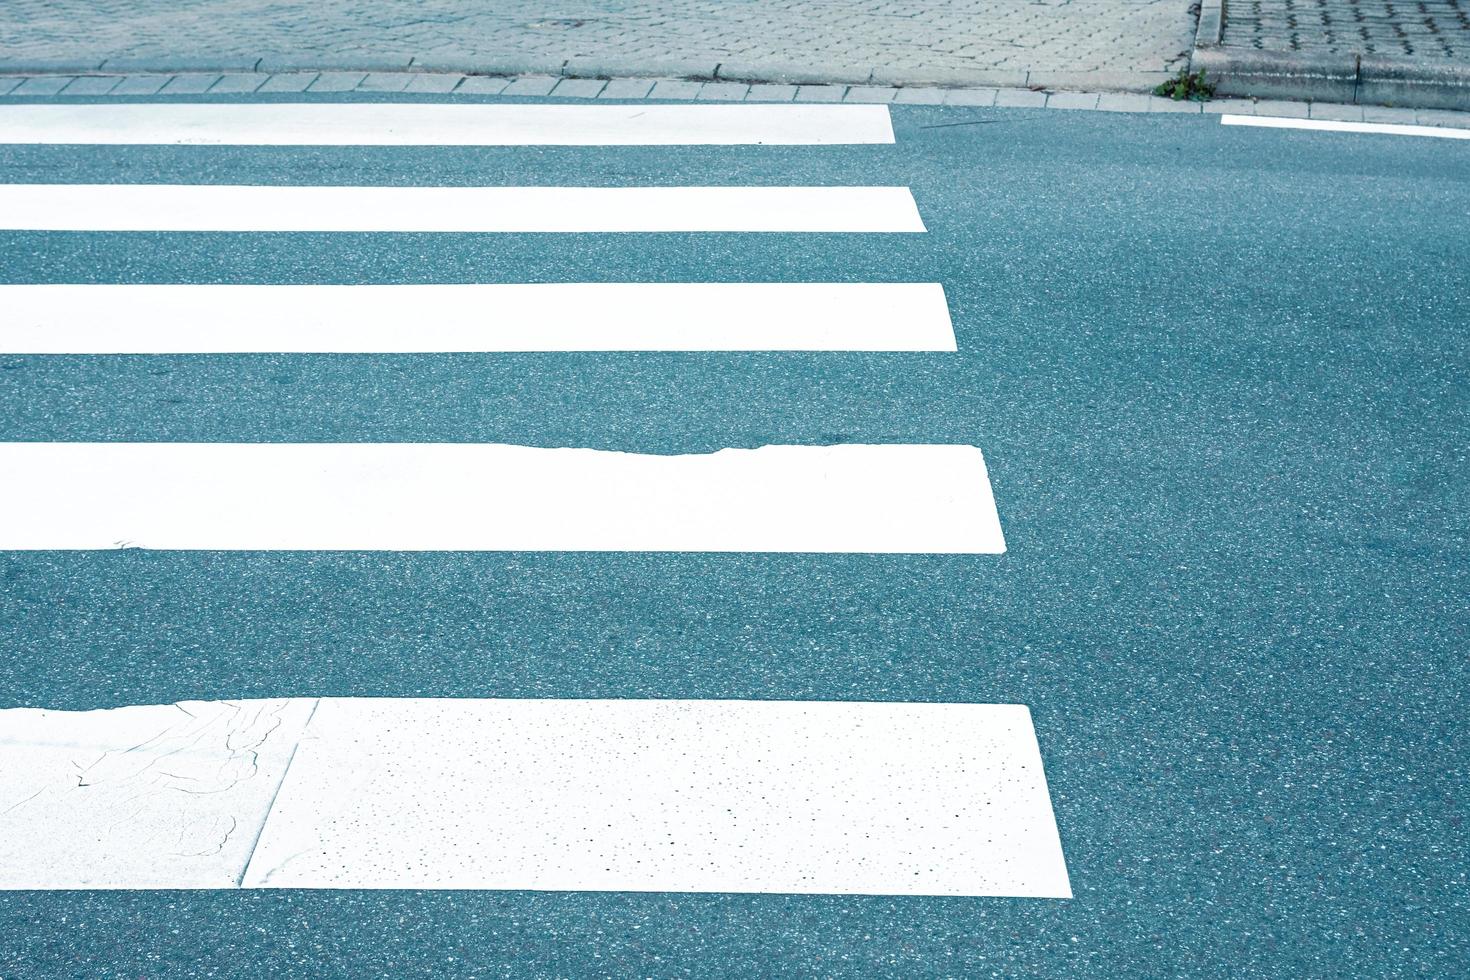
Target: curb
(1350, 79)
(95, 87)
(594, 68)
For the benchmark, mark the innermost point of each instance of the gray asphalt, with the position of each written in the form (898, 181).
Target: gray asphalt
(1219, 375)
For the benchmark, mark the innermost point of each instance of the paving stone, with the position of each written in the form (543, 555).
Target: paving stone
(337, 81)
(92, 85)
(435, 82)
(1336, 111)
(483, 85)
(771, 93)
(971, 96)
(1235, 107)
(578, 88)
(1443, 117)
(1021, 98)
(1388, 114)
(238, 83)
(1123, 102)
(1071, 100)
(1276, 107)
(531, 85)
(288, 81)
(669, 88)
(724, 91)
(192, 84)
(385, 81)
(915, 95)
(10, 83)
(627, 88)
(870, 93)
(44, 85)
(820, 93)
(1186, 106)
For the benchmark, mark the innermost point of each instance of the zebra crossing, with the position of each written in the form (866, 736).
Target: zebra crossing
(676, 795)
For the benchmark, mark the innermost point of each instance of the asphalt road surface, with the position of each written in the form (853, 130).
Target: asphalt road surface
(1218, 376)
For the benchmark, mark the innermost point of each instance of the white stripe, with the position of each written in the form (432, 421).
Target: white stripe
(470, 497)
(186, 319)
(1332, 126)
(425, 124)
(180, 207)
(680, 796)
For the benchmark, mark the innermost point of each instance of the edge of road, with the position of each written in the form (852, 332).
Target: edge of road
(1347, 78)
(20, 88)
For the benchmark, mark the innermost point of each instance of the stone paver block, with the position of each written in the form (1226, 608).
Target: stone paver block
(92, 85)
(44, 85)
(771, 93)
(531, 85)
(971, 96)
(1234, 107)
(437, 83)
(288, 81)
(384, 81)
(10, 84)
(627, 88)
(1277, 107)
(724, 91)
(483, 85)
(577, 88)
(870, 93)
(1123, 102)
(337, 81)
(238, 83)
(920, 96)
(140, 85)
(1020, 98)
(1071, 100)
(820, 93)
(1443, 117)
(1336, 112)
(672, 88)
(1387, 114)
(1186, 106)
(189, 84)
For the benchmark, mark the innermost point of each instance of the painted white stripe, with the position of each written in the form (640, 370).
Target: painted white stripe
(185, 207)
(1331, 126)
(141, 797)
(433, 124)
(565, 795)
(471, 497)
(189, 319)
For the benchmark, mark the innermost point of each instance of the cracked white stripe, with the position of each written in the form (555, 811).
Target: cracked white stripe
(581, 795)
(473, 497)
(141, 797)
(160, 319)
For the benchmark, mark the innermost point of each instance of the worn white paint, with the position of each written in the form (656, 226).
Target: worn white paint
(171, 319)
(225, 207)
(626, 795)
(471, 497)
(440, 124)
(1334, 126)
(170, 796)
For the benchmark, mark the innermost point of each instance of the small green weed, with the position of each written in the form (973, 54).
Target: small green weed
(1187, 86)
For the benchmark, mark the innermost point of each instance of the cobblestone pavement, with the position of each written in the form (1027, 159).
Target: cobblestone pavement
(1418, 29)
(855, 41)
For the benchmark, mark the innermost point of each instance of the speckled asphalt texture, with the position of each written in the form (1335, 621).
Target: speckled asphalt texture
(1219, 375)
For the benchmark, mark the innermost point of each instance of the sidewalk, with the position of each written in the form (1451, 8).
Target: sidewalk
(1091, 44)
(1370, 52)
